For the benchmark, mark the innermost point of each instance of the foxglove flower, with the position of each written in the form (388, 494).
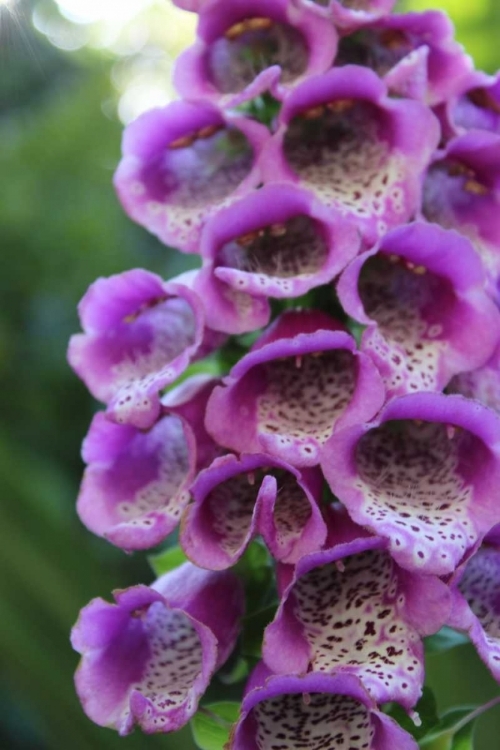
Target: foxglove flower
(462, 192)
(474, 105)
(316, 711)
(183, 162)
(350, 609)
(361, 152)
(278, 242)
(148, 658)
(140, 334)
(136, 484)
(476, 603)
(482, 384)
(423, 475)
(421, 292)
(302, 381)
(415, 53)
(235, 499)
(350, 14)
(252, 46)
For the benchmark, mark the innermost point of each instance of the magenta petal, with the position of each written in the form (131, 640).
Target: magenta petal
(293, 712)
(234, 499)
(352, 610)
(135, 486)
(140, 335)
(288, 396)
(252, 46)
(423, 287)
(156, 651)
(476, 605)
(359, 151)
(423, 476)
(279, 242)
(482, 384)
(182, 163)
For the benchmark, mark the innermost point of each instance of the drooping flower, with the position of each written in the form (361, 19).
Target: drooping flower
(316, 711)
(183, 162)
(351, 609)
(235, 499)
(476, 602)
(252, 46)
(140, 334)
(278, 242)
(482, 384)
(363, 153)
(474, 105)
(423, 475)
(148, 658)
(136, 484)
(415, 54)
(302, 381)
(421, 292)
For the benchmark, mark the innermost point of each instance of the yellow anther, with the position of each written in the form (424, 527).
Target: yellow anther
(235, 31)
(475, 187)
(394, 258)
(313, 113)
(420, 270)
(208, 131)
(247, 239)
(259, 24)
(340, 106)
(277, 230)
(183, 142)
(248, 24)
(393, 39)
(409, 265)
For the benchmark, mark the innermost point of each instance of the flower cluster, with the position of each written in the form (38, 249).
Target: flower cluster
(338, 153)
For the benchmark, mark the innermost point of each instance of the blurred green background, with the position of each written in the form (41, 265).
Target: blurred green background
(70, 74)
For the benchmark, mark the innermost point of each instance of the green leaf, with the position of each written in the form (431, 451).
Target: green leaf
(447, 726)
(464, 738)
(444, 640)
(253, 630)
(236, 673)
(426, 709)
(211, 725)
(167, 560)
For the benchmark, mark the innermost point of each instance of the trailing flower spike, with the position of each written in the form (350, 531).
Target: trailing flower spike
(317, 404)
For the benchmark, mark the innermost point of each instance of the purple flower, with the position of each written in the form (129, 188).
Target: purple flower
(316, 711)
(137, 482)
(340, 135)
(421, 292)
(148, 658)
(424, 476)
(278, 242)
(482, 384)
(302, 381)
(140, 334)
(462, 191)
(183, 162)
(235, 499)
(476, 603)
(251, 46)
(474, 105)
(352, 610)
(415, 53)
(350, 14)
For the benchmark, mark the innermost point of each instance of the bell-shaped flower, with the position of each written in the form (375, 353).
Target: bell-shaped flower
(303, 380)
(252, 46)
(140, 334)
(350, 15)
(482, 384)
(474, 105)
(181, 163)
(278, 242)
(136, 483)
(236, 499)
(476, 602)
(424, 476)
(149, 658)
(312, 712)
(421, 292)
(462, 192)
(415, 53)
(351, 609)
(340, 135)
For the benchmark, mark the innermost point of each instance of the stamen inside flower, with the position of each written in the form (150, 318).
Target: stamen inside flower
(252, 45)
(482, 98)
(378, 50)
(284, 250)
